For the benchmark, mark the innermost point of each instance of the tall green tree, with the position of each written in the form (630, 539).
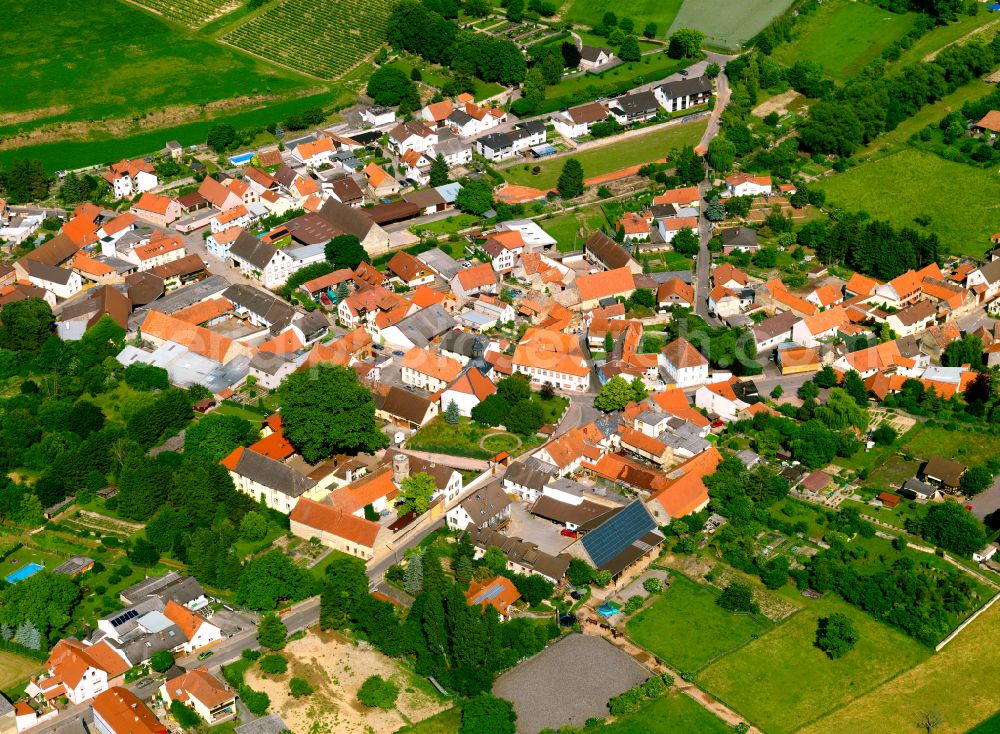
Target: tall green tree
(415, 492)
(25, 325)
(570, 184)
(345, 251)
(439, 171)
(272, 632)
(325, 410)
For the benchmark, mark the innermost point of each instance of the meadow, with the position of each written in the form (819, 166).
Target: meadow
(944, 35)
(612, 157)
(107, 67)
(958, 684)
(324, 40)
(961, 201)
(687, 629)
(781, 682)
(566, 228)
(673, 713)
(844, 37)
(727, 24)
(15, 670)
(661, 12)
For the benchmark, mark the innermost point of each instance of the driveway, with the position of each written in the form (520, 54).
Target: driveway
(535, 530)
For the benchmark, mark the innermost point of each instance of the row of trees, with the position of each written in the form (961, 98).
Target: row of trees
(24, 180)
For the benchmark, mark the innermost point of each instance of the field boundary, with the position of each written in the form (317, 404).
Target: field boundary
(972, 618)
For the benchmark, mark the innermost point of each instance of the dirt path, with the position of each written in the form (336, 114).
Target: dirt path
(967, 36)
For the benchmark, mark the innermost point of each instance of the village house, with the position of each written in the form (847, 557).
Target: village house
(499, 593)
(203, 693)
(595, 57)
(553, 357)
(377, 116)
(128, 178)
(504, 248)
(577, 121)
(683, 365)
(314, 153)
(62, 283)
(408, 270)
(486, 508)
(634, 107)
(822, 326)
(674, 292)
(742, 239)
(467, 391)
(670, 226)
(78, 672)
(155, 209)
(501, 146)
(412, 135)
(989, 125)
(118, 711)
(684, 93)
(426, 370)
(472, 281)
(595, 287)
(743, 184)
(271, 482)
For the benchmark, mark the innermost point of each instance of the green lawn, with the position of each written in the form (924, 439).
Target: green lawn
(614, 156)
(943, 35)
(781, 681)
(24, 556)
(240, 412)
(661, 12)
(990, 726)
(462, 439)
(447, 722)
(896, 188)
(674, 713)
(727, 24)
(687, 629)
(585, 87)
(967, 447)
(72, 62)
(566, 227)
(447, 226)
(844, 37)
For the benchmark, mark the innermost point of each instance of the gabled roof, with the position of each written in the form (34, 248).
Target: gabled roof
(681, 353)
(200, 341)
(200, 685)
(407, 267)
(587, 113)
(478, 276)
(123, 713)
(614, 282)
(607, 251)
(474, 382)
(826, 320)
(727, 272)
(498, 593)
(428, 363)
(861, 285)
(270, 473)
(335, 521)
(686, 491)
(682, 196)
(70, 659)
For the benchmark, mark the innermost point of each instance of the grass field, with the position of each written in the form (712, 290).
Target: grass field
(990, 726)
(727, 24)
(782, 682)
(688, 629)
(15, 670)
(614, 156)
(461, 439)
(844, 37)
(446, 722)
(322, 39)
(959, 684)
(661, 12)
(897, 188)
(127, 72)
(670, 714)
(566, 227)
(943, 35)
(24, 556)
(966, 447)
(192, 13)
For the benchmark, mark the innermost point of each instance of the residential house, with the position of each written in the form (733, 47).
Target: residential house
(504, 248)
(577, 121)
(260, 260)
(860, 285)
(674, 292)
(78, 672)
(155, 209)
(771, 332)
(552, 357)
(200, 633)
(336, 528)
(593, 58)
(945, 473)
(314, 153)
(604, 252)
(238, 216)
(409, 271)
(686, 197)
(402, 407)
(635, 107)
(608, 284)
(743, 184)
(634, 227)
(501, 146)
(812, 330)
(985, 281)
(684, 93)
(118, 711)
(475, 280)
(346, 191)
(467, 391)
(275, 484)
(428, 371)
(685, 492)
(486, 508)
(826, 295)
(730, 276)
(498, 593)
(128, 178)
(793, 359)
(203, 693)
(160, 249)
(522, 557)
(412, 135)
(742, 239)
(723, 302)
(912, 319)
(220, 196)
(618, 540)
(989, 125)
(670, 226)
(377, 116)
(683, 364)
(60, 282)
(726, 400)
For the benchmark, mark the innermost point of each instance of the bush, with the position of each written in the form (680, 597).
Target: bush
(299, 687)
(184, 716)
(162, 661)
(257, 701)
(273, 664)
(251, 655)
(376, 692)
(653, 585)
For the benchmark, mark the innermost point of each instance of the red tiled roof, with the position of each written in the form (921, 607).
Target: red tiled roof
(335, 521)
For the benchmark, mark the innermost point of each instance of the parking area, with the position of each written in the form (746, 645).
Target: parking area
(232, 623)
(535, 530)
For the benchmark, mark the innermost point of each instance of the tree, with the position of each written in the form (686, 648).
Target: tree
(533, 588)
(836, 635)
(271, 578)
(413, 580)
(609, 343)
(652, 585)
(737, 597)
(615, 394)
(214, 436)
(534, 86)
(29, 511)
(346, 588)
(325, 410)
(253, 526)
(476, 197)
(439, 171)
(855, 387)
(272, 633)
(826, 377)
(221, 137)
(629, 50)
(25, 325)
(579, 572)
(571, 54)
(147, 377)
(950, 526)
(345, 251)
(552, 67)
(602, 578)
(975, 480)
(514, 388)
(186, 717)
(685, 43)
(777, 392)
(486, 714)
(415, 492)
(161, 661)
(650, 30)
(388, 86)
(570, 184)
(451, 414)
(929, 721)
(143, 553)
(716, 210)
(525, 417)
(28, 636)
(690, 166)
(713, 70)
(686, 242)
(884, 435)
(721, 154)
(639, 391)
(299, 687)
(377, 692)
(273, 664)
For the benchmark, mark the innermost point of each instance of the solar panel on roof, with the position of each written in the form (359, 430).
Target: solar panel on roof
(123, 618)
(611, 538)
(487, 594)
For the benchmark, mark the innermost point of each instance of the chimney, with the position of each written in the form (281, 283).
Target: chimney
(400, 468)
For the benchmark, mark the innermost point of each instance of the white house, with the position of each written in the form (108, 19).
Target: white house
(595, 57)
(275, 484)
(503, 249)
(467, 391)
(128, 178)
(670, 226)
(60, 282)
(985, 279)
(412, 135)
(684, 364)
(426, 370)
(577, 121)
(812, 330)
(315, 153)
(238, 216)
(684, 93)
(377, 116)
(501, 146)
(200, 633)
(723, 302)
(78, 671)
(720, 399)
(743, 184)
(203, 693)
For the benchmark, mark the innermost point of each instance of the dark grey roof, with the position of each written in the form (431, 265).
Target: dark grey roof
(169, 586)
(141, 648)
(590, 53)
(486, 503)
(460, 118)
(462, 342)
(531, 126)
(496, 141)
(441, 473)
(532, 473)
(49, 273)
(523, 553)
(440, 262)
(427, 323)
(685, 87)
(270, 363)
(772, 327)
(914, 488)
(253, 250)
(5, 706)
(189, 295)
(614, 533)
(637, 104)
(607, 251)
(313, 324)
(402, 403)
(275, 312)
(347, 219)
(284, 176)
(563, 512)
(72, 565)
(273, 474)
(739, 237)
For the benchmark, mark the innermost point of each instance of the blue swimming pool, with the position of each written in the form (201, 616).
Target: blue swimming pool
(239, 160)
(23, 572)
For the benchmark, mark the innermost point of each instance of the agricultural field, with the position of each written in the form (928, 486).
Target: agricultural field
(727, 24)
(782, 682)
(958, 684)
(844, 37)
(15, 670)
(130, 82)
(614, 156)
(944, 35)
(967, 447)
(687, 629)
(324, 40)
(673, 713)
(193, 13)
(894, 188)
(661, 12)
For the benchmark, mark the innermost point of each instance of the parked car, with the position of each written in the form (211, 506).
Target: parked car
(143, 682)
(398, 353)
(683, 72)
(569, 533)
(206, 654)
(325, 300)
